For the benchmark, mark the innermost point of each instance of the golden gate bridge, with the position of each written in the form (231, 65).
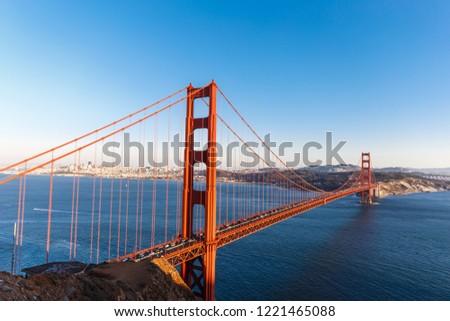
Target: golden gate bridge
(138, 212)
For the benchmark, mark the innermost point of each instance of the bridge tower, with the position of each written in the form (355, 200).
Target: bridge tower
(366, 177)
(199, 273)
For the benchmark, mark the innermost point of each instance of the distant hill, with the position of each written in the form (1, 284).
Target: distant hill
(439, 171)
(393, 181)
(331, 169)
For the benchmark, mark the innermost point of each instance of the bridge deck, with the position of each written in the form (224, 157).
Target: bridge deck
(182, 250)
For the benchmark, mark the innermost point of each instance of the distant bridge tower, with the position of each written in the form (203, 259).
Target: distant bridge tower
(199, 273)
(366, 178)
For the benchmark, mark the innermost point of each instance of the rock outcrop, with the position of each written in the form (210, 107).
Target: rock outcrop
(411, 185)
(144, 280)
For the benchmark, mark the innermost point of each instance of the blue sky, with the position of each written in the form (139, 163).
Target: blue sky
(375, 73)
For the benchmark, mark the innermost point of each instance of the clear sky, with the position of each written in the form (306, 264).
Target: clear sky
(375, 73)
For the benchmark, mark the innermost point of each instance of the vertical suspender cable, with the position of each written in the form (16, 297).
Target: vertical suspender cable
(111, 196)
(99, 209)
(49, 216)
(76, 208)
(167, 180)
(22, 220)
(72, 216)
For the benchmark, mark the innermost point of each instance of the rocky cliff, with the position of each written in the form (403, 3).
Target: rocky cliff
(410, 185)
(145, 280)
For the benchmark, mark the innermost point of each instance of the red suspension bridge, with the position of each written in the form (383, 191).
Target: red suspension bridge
(102, 203)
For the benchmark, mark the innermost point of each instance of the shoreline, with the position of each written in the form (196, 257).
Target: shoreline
(413, 193)
(389, 187)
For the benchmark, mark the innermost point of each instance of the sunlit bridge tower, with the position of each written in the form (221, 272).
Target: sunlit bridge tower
(366, 175)
(199, 273)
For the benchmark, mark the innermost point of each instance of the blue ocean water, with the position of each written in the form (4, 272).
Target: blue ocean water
(397, 250)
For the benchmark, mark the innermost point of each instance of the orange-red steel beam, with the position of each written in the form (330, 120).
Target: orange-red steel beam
(190, 252)
(204, 284)
(366, 196)
(198, 249)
